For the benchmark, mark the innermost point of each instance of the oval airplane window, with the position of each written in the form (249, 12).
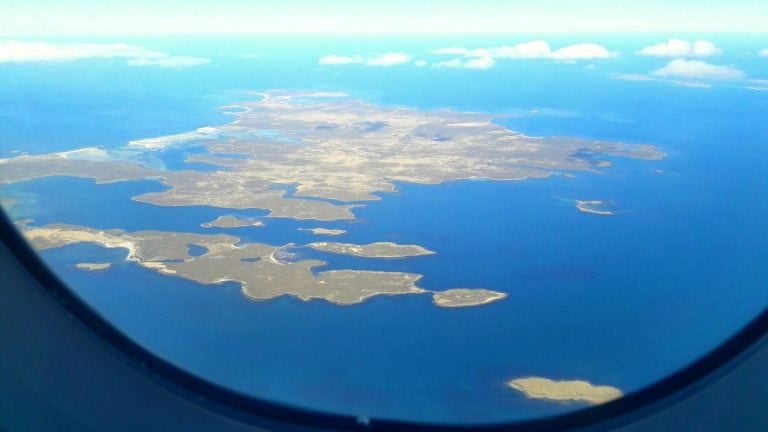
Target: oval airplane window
(449, 227)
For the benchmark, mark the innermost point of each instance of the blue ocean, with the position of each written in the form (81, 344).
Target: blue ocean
(623, 300)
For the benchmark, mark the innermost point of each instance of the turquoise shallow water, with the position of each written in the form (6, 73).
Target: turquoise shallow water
(620, 300)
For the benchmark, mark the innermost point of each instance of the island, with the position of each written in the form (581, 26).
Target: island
(317, 156)
(372, 250)
(257, 267)
(564, 391)
(93, 266)
(463, 297)
(229, 221)
(338, 152)
(324, 231)
(594, 207)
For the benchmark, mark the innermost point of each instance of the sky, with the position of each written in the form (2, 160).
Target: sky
(149, 17)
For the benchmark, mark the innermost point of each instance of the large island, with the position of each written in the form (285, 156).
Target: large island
(308, 156)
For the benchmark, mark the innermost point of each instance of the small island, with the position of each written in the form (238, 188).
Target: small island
(463, 297)
(596, 207)
(372, 250)
(93, 266)
(324, 231)
(229, 221)
(564, 391)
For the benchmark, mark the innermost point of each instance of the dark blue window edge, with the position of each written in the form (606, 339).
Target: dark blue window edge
(265, 414)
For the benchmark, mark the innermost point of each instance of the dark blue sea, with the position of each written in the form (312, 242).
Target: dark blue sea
(622, 300)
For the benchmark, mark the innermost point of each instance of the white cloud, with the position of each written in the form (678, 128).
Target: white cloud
(28, 52)
(389, 59)
(536, 49)
(340, 60)
(381, 60)
(584, 51)
(170, 62)
(477, 58)
(480, 63)
(698, 70)
(764, 53)
(647, 77)
(758, 84)
(702, 48)
(453, 63)
(681, 48)
(486, 62)
(695, 73)
(525, 50)
(43, 52)
(453, 51)
(635, 77)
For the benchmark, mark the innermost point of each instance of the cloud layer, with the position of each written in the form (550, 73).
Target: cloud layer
(696, 73)
(381, 60)
(43, 52)
(698, 70)
(764, 53)
(681, 48)
(537, 49)
(476, 58)
(485, 58)
(485, 62)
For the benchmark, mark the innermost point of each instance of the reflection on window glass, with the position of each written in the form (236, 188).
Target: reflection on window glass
(451, 226)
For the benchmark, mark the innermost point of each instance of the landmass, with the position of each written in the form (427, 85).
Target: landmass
(462, 297)
(308, 156)
(324, 231)
(229, 221)
(93, 266)
(564, 391)
(594, 207)
(372, 250)
(256, 267)
(331, 147)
